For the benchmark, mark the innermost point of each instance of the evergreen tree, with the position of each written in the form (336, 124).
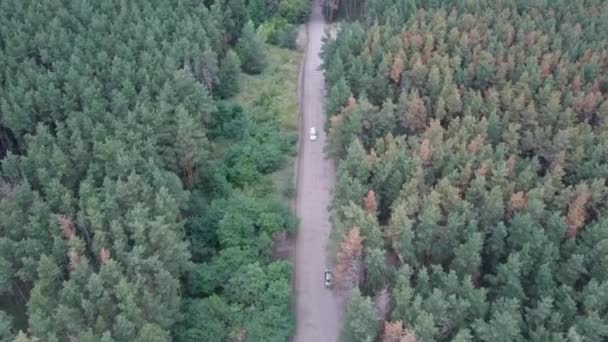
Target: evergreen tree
(337, 97)
(6, 332)
(375, 260)
(253, 60)
(190, 145)
(229, 75)
(360, 325)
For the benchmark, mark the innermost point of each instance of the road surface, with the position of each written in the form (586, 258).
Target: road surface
(318, 318)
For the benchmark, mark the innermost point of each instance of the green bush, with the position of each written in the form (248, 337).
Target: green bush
(266, 29)
(295, 11)
(279, 32)
(203, 279)
(285, 37)
(229, 121)
(289, 188)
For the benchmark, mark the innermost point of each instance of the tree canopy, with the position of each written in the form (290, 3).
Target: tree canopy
(123, 216)
(480, 129)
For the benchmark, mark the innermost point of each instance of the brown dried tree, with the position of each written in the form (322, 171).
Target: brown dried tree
(395, 332)
(349, 261)
(415, 115)
(75, 258)
(352, 104)
(475, 144)
(482, 171)
(369, 202)
(392, 331)
(426, 152)
(518, 200)
(383, 304)
(511, 162)
(397, 69)
(68, 231)
(577, 213)
(576, 83)
(104, 256)
(372, 157)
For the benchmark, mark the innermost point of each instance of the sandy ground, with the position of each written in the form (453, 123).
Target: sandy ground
(318, 313)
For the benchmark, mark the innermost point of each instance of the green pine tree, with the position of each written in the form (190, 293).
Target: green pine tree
(253, 60)
(229, 75)
(360, 325)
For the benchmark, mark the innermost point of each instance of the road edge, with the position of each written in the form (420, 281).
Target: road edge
(301, 131)
(296, 172)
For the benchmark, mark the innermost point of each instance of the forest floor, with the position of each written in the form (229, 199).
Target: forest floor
(318, 311)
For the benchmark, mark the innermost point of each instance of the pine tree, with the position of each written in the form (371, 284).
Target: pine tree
(152, 333)
(356, 163)
(229, 75)
(253, 60)
(360, 325)
(259, 10)
(22, 337)
(402, 236)
(5, 326)
(190, 146)
(434, 83)
(504, 324)
(425, 327)
(345, 128)
(375, 263)
(338, 97)
(467, 257)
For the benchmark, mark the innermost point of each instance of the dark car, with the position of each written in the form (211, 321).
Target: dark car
(328, 279)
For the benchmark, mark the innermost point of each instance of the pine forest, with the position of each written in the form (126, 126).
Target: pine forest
(149, 164)
(471, 201)
(136, 202)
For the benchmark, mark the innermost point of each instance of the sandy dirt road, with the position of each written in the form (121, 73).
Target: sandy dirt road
(318, 317)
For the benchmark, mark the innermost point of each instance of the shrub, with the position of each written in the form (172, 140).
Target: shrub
(285, 37)
(289, 188)
(279, 32)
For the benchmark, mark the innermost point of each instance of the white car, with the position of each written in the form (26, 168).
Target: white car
(313, 133)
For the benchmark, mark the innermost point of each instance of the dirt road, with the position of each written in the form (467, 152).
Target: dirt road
(317, 310)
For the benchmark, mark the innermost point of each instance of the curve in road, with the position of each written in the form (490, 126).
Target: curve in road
(318, 315)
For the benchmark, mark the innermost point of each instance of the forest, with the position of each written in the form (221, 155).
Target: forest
(136, 195)
(471, 201)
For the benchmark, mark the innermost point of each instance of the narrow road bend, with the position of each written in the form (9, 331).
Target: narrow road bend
(318, 314)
